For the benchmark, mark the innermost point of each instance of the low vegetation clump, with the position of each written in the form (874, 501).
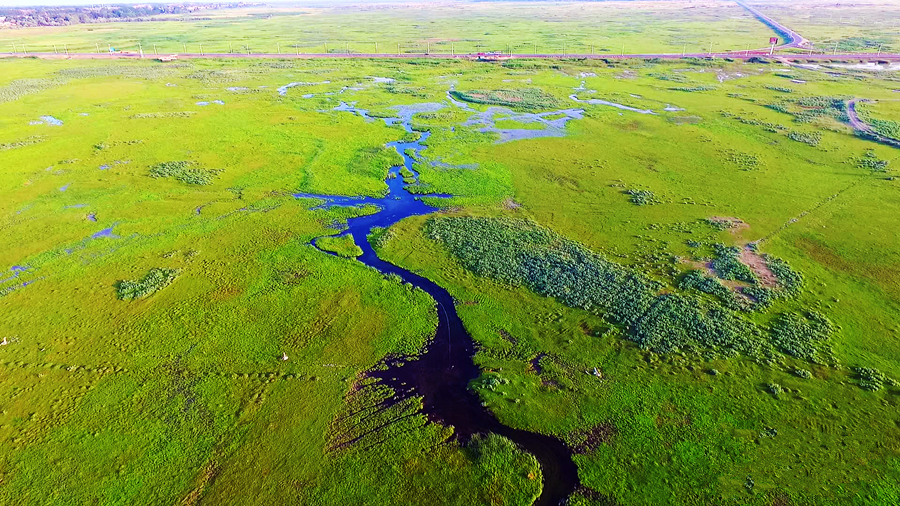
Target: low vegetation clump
(767, 126)
(343, 245)
(745, 161)
(695, 280)
(779, 89)
(642, 197)
(176, 114)
(520, 252)
(802, 336)
(802, 373)
(154, 281)
(34, 139)
(694, 89)
(22, 87)
(728, 265)
(184, 171)
(872, 379)
(528, 98)
(810, 138)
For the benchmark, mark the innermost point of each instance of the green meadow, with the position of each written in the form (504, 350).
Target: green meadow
(521, 27)
(172, 333)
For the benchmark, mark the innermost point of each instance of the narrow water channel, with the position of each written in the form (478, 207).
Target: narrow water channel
(441, 375)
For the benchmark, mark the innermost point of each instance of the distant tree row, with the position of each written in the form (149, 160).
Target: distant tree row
(19, 17)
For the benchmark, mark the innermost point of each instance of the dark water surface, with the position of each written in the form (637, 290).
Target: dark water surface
(441, 375)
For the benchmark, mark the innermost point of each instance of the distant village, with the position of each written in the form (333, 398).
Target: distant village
(23, 17)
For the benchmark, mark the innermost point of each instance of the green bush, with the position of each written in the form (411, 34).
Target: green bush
(728, 266)
(529, 98)
(186, 172)
(802, 336)
(154, 281)
(642, 197)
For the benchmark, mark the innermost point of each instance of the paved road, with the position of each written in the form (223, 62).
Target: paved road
(792, 38)
(740, 55)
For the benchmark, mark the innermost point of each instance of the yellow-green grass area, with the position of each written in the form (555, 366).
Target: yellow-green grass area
(185, 395)
(238, 368)
(464, 27)
(857, 27)
(343, 246)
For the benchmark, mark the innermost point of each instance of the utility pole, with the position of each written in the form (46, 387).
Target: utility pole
(398, 48)
(201, 49)
(534, 47)
(278, 47)
(24, 51)
(835, 47)
(98, 47)
(230, 48)
(710, 48)
(140, 48)
(248, 48)
(748, 50)
(564, 49)
(14, 48)
(67, 50)
(623, 50)
(592, 49)
(452, 50)
(55, 51)
(508, 50)
(326, 48)
(879, 50)
(348, 48)
(684, 51)
(154, 49)
(427, 47)
(376, 48)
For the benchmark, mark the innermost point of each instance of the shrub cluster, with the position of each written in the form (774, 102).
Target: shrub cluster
(872, 162)
(872, 379)
(528, 98)
(520, 252)
(694, 89)
(28, 141)
(811, 138)
(642, 197)
(802, 336)
(727, 264)
(155, 280)
(186, 172)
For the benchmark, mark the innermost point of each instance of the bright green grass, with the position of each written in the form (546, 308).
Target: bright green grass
(342, 246)
(185, 395)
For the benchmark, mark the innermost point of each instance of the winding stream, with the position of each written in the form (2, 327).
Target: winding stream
(441, 375)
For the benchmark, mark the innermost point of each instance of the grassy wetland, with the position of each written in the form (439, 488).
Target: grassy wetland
(681, 270)
(523, 27)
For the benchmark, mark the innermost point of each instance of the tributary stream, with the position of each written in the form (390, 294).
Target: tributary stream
(442, 373)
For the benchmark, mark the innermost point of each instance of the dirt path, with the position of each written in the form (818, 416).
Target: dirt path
(861, 126)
